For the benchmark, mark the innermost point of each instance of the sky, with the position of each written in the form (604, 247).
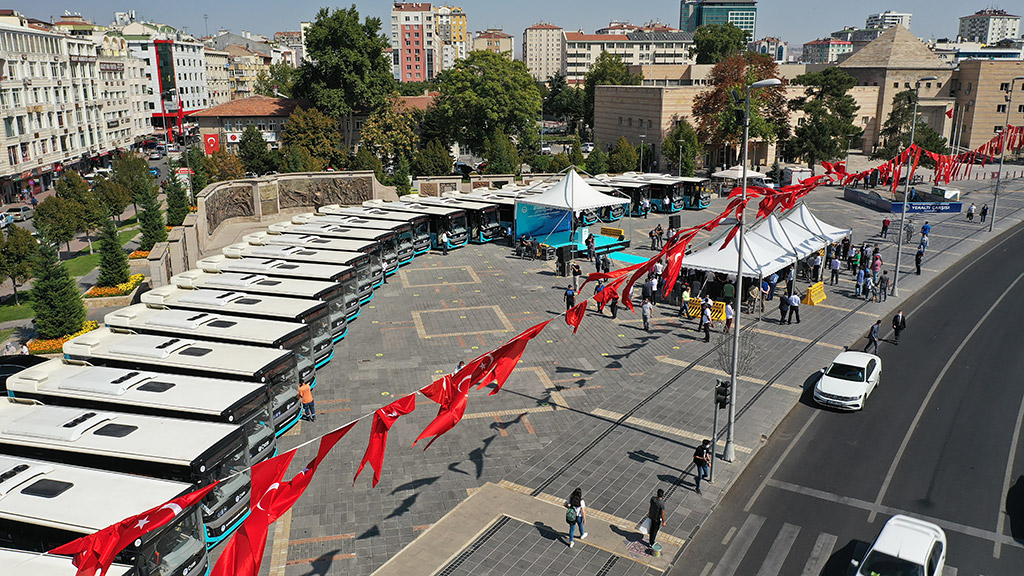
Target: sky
(795, 21)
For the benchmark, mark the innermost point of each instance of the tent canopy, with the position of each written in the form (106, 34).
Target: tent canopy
(571, 193)
(736, 173)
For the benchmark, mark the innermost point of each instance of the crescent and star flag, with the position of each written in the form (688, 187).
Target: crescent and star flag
(453, 399)
(595, 276)
(609, 292)
(93, 554)
(383, 419)
(574, 315)
(949, 113)
(212, 143)
(507, 356)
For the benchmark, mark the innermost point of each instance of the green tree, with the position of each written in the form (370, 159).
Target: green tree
(347, 68)
(56, 302)
(608, 70)
(367, 160)
(401, 178)
(113, 259)
(895, 133)
(197, 161)
(132, 172)
(682, 138)
(74, 189)
(177, 202)
(624, 157)
(59, 220)
(417, 88)
(253, 152)
(390, 131)
(432, 160)
(713, 43)
(112, 195)
(563, 101)
(483, 93)
(559, 162)
(576, 152)
(829, 113)
(223, 166)
(17, 249)
(597, 161)
(151, 221)
(540, 164)
(298, 159)
(502, 156)
(280, 80)
(315, 132)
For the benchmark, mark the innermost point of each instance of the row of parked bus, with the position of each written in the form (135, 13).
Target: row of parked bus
(195, 384)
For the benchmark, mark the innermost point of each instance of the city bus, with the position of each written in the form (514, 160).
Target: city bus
(419, 223)
(450, 220)
(696, 193)
(198, 453)
(506, 204)
(18, 563)
(149, 319)
(275, 369)
(46, 505)
(330, 293)
(635, 190)
(313, 314)
(388, 240)
(482, 217)
(378, 266)
(79, 385)
(608, 213)
(404, 231)
(368, 272)
(278, 268)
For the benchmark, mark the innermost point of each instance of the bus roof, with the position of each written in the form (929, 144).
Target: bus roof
(331, 230)
(167, 351)
(20, 563)
(257, 284)
(371, 212)
(203, 325)
(353, 222)
(451, 202)
(111, 434)
(276, 268)
(489, 196)
(77, 499)
(295, 254)
(230, 302)
(139, 388)
(310, 241)
(414, 208)
(695, 180)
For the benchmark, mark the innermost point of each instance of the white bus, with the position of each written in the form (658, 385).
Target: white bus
(79, 385)
(379, 265)
(481, 217)
(407, 246)
(368, 271)
(450, 220)
(506, 203)
(277, 268)
(391, 248)
(275, 369)
(46, 505)
(419, 223)
(18, 563)
(149, 319)
(199, 453)
(311, 313)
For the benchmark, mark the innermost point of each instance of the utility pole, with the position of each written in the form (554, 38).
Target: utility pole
(1002, 150)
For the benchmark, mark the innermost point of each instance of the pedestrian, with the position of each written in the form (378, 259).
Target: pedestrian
(702, 460)
(654, 289)
(846, 247)
(306, 397)
(790, 278)
(570, 297)
(9, 349)
(656, 514)
(984, 212)
(917, 260)
(861, 273)
(659, 236)
(462, 364)
(873, 337)
(835, 271)
(706, 321)
(883, 286)
(646, 203)
(646, 309)
(924, 243)
(899, 324)
(794, 308)
(575, 514)
(653, 235)
(728, 317)
(576, 273)
(24, 348)
(597, 290)
(854, 262)
(614, 305)
(592, 249)
(783, 309)
(647, 288)
(885, 227)
(606, 263)
(684, 307)
(659, 269)
(703, 308)
(970, 212)
(926, 229)
(773, 280)
(876, 267)
(442, 240)
(728, 291)
(869, 286)
(816, 268)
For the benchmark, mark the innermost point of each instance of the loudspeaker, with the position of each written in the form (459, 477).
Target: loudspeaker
(675, 222)
(564, 253)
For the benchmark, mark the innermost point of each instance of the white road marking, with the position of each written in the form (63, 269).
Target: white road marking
(738, 549)
(778, 463)
(1001, 519)
(823, 547)
(772, 564)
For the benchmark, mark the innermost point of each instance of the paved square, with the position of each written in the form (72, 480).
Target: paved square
(461, 321)
(439, 276)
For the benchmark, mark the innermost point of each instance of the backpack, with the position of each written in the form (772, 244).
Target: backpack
(570, 515)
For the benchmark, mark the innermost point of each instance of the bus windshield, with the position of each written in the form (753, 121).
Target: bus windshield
(458, 224)
(490, 218)
(320, 326)
(303, 349)
(254, 418)
(232, 470)
(421, 229)
(173, 549)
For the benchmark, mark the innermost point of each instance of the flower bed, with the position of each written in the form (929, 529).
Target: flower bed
(139, 255)
(120, 290)
(56, 345)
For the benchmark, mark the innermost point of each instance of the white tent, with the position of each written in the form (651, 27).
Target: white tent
(736, 173)
(802, 217)
(571, 193)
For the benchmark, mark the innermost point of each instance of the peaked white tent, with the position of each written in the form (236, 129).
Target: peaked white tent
(736, 173)
(571, 193)
(804, 218)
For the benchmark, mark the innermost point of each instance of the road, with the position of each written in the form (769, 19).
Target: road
(939, 439)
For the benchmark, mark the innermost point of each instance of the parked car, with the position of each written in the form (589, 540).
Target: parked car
(20, 213)
(905, 546)
(848, 381)
(765, 182)
(587, 147)
(155, 156)
(5, 220)
(545, 148)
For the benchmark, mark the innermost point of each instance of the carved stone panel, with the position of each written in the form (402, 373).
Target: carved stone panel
(228, 202)
(304, 191)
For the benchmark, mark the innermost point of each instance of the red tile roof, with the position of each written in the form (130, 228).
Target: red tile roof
(544, 26)
(420, 102)
(254, 106)
(493, 35)
(413, 7)
(578, 37)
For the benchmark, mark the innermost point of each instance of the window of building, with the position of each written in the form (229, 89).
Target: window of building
(1004, 87)
(1001, 108)
(895, 84)
(998, 128)
(1020, 109)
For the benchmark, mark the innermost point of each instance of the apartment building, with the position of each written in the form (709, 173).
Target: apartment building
(741, 13)
(218, 76)
(452, 37)
(244, 68)
(771, 46)
(414, 42)
(122, 87)
(494, 40)
(635, 49)
(825, 50)
(989, 26)
(888, 19)
(544, 50)
(979, 89)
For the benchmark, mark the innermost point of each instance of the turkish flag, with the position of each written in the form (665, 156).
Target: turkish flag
(453, 401)
(595, 276)
(93, 554)
(608, 292)
(212, 142)
(949, 113)
(383, 419)
(574, 315)
(504, 359)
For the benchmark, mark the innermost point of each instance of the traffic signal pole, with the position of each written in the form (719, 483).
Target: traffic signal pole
(714, 443)
(721, 399)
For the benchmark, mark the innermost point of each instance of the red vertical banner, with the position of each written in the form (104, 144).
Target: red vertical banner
(211, 142)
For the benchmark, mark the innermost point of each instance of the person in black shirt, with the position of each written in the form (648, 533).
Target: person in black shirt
(702, 460)
(656, 513)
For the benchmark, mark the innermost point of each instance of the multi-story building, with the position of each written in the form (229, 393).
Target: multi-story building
(989, 26)
(621, 27)
(741, 13)
(450, 26)
(954, 52)
(774, 47)
(218, 76)
(414, 42)
(122, 86)
(292, 40)
(244, 68)
(229, 120)
(859, 37)
(978, 89)
(495, 40)
(635, 48)
(825, 50)
(544, 50)
(888, 19)
(303, 28)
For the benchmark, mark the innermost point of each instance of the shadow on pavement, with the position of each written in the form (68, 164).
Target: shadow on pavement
(418, 483)
(547, 531)
(1015, 509)
(839, 562)
(322, 565)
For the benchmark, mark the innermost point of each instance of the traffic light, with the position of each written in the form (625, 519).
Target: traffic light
(723, 392)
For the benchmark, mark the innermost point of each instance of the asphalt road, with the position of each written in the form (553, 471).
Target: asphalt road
(939, 439)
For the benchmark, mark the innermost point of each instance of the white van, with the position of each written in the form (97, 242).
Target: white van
(947, 193)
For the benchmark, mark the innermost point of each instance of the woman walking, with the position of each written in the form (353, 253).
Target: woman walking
(575, 514)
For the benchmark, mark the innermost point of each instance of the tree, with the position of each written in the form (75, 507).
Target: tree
(113, 260)
(608, 70)
(682, 137)
(713, 43)
(298, 159)
(56, 302)
(224, 166)
(151, 222)
(366, 160)
(564, 101)
(74, 189)
(346, 67)
(597, 161)
(483, 93)
(895, 133)
(623, 157)
(59, 220)
(502, 156)
(17, 249)
(401, 179)
(559, 162)
(253, 152)
(132, 172)
(576, 152)
(112, 195)
(417, 88)
(280, 80)
(315, 132)
(199, 164)
(390, 131)
(432, 160)
(177, 202)
(829, 112)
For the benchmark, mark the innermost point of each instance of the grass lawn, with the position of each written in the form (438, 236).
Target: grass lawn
(84, 262)
(5, 334)
(8, 311)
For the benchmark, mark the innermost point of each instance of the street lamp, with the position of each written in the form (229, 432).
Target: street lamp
(730, 448)
(680, 159)
(642, 138)
(906, 189)
(1002, 150)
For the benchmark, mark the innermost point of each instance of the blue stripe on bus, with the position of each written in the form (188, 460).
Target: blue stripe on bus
(339, 337)
(281, 432)
(321, 363)
(367, 299)
(212, 543)
(354, 316)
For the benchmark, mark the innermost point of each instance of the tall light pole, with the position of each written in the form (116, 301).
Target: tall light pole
(906, 189)
(729, 454)
(680, 159)
(1002, 150)
(642, 138)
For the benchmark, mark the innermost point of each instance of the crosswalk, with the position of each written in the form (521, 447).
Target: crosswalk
(791, 550)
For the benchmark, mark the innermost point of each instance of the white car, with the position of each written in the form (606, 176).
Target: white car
(155, 156)
(848, 381)
(905, 546)
(587, 147)
(545, 148)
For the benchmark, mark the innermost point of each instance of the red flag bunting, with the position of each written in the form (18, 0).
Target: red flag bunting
(453, 405)
(574, 315)
(595, 276)
(383, 419)
(610, 291)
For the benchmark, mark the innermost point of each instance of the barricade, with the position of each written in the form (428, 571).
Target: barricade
(815, 294)
(617, 233)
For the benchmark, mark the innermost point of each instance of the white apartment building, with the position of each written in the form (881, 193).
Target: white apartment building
(635, 49)
(218, 76)
(123, 90)
(989, 26)
(888, 19)
(771, 46)
(825, 50)
(544, 50)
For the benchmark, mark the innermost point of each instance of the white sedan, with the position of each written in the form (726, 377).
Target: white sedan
(848, 381)
(905, 546)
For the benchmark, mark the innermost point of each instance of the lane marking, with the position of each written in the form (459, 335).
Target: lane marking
(729, 535)
(641, 423)
(782, 458)
(772, 564)
(738, 549)
(279, 549)
(823, 547)
(1001, 519)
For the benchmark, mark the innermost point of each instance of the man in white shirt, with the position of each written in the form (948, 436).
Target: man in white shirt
(728, 317)
(645, 311)
(794, 308)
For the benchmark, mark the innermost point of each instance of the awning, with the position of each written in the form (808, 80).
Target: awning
(736, 173)
(571, 193)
